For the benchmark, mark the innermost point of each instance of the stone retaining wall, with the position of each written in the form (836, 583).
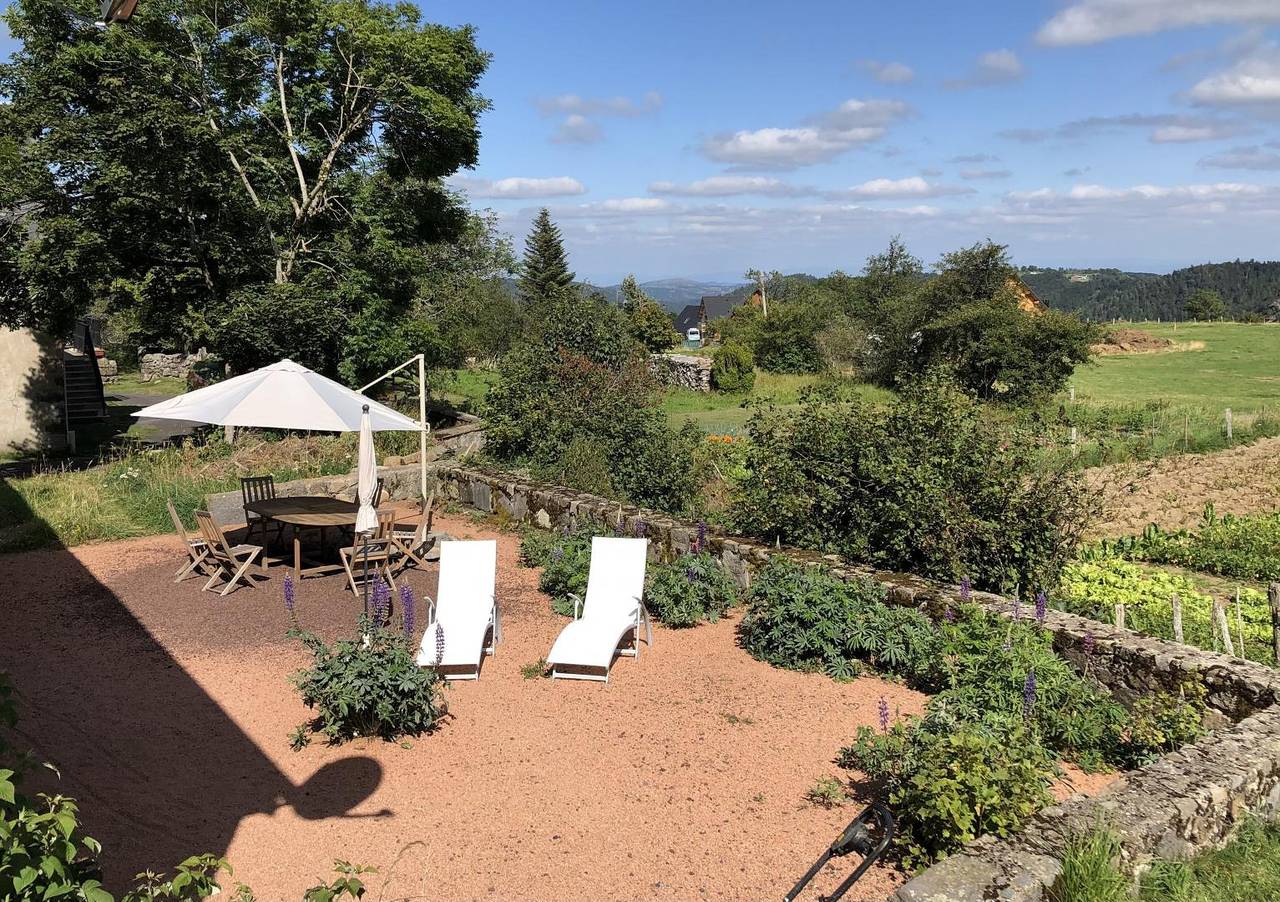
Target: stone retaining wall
(1186, 802)
(170, 366)
(682, 370)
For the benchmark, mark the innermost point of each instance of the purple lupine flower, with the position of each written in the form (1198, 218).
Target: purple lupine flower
(691, 574)
(439, 644)
(884, 714)
(288, 593)
(406, 610)
(640, 527)
(1089, 643)
(556, 553)
(702, 537)
(948, 614)
(1042, 606)
(1029, 695)
(966, 589)
(380, 601)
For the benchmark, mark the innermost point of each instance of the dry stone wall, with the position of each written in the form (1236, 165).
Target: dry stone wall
(682, 370)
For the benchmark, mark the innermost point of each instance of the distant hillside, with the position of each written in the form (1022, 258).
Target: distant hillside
(1104, 294)
(674, 294)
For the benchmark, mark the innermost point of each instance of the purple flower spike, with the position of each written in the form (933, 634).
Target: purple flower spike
(691, 574)
(439, 644)
(288, 593)
(1029, 695)
(380, 601)
(966, 589)
(948, 614)
(1089, 643)
(407, 611)
(640, 528)
(702, 537)
(1042, 606)
(884, 714)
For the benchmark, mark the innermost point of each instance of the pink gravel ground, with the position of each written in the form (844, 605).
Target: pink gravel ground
(168, 711)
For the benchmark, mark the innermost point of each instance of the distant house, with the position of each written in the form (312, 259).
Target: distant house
(689, 318)
(711, 308)
(1028, 302)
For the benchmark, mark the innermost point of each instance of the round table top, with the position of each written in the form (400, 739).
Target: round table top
(307, 510)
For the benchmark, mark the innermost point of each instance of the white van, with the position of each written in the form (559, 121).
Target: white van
(693, 336)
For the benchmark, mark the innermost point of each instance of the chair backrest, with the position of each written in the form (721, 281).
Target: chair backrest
(615, 582)
(425, 513)
(212, 534)
(386, 523)
(178, 526)
(468, 571)
(257, 488)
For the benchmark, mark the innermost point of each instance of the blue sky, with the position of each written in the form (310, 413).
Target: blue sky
(702, 138)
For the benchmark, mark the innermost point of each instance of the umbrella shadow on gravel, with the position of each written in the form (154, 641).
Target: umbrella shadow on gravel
(159, 769)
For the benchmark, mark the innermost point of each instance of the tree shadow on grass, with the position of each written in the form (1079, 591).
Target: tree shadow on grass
(159, 769)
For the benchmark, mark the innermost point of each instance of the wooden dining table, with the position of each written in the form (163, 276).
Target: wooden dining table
(308, 512)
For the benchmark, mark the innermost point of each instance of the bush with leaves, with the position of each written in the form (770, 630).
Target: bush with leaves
(689, 590)
(565, 568)
(733, 367)
(1241, 547)
(927, 484)
(951, 781)
(803, 618)
(368, 685)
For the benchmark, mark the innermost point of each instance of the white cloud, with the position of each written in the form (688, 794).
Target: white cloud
(576, 129)
(520, 188)
(1164, 128)
(1147, 201)
(731, 185)
(1256, 158)
(972, 175)
(1252, 80)
(912, 186)
(995, 67)
(888, 73)
(822, 138)
(562, 104)
(975, 158)
(1091, 21)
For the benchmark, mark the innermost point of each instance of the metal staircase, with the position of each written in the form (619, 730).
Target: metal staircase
(84, 401)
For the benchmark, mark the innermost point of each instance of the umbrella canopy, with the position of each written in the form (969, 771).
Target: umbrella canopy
(367, 482)
(284, 395)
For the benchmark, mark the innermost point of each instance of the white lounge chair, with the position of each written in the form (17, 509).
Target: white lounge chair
(613, 609)
(465, 609)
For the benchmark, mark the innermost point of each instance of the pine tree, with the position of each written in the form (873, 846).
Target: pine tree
(545, 274)
(632, 295)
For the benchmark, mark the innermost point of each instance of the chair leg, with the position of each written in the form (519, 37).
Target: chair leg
(217, 571)
(239, 575)
(346, 565)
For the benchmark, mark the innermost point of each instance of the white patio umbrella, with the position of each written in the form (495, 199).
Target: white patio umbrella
(284, 395)
(367, 482)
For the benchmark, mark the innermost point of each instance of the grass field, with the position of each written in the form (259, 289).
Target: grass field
(719, 414)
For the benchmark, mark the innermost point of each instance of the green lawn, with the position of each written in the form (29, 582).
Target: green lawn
(726, 413)
(1238, 367)
(464, 389)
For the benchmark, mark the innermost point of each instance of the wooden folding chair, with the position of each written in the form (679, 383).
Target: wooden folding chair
(197, 548)
(229, 562)
(415, 543)
(383, 552)
(258, 488)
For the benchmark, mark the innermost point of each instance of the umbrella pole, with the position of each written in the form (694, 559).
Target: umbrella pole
(365, 536)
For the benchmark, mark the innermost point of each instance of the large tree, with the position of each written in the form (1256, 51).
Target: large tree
(233, 171)
(544, 273)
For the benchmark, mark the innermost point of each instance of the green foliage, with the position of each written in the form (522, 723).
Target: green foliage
(827, 792)
(689, 590)
(648, 323)
(1164, 722)
(733, 368)
(194, 878)
(803, 618)
(535, 669)
(368, 685)
(1238, 547)
(544, 273)
(967, 319)
(1205, 305)
(566, 561)
(1089, 871)
(951, 782)
(227, 219)
(1094, 586)
(1247, 870)
(924, 485)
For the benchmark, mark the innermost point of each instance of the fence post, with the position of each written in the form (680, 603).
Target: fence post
(1120, 615)
(1273, 596)
(1075, 448)
(1228, 424)
(1239, 624)
(1224, 628)
(1072, 390)
(1176, 603)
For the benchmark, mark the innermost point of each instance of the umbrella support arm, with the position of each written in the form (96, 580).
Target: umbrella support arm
(423, 428)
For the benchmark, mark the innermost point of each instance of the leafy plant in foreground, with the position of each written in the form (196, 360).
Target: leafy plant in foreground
(690, 589)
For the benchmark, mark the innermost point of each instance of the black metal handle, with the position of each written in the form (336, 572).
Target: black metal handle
(857, 837)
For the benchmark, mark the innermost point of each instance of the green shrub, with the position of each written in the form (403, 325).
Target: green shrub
(926, 485)
(1167, 721)
(689, 590)
(368, 685)
(565, 569)
(950, 782)
(1089, 872)
(535, 546)
(733, 368)
(803, 618)
(1237, 547)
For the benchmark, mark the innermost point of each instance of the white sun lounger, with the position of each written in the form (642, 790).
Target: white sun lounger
(465, 610)
(613, 609)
